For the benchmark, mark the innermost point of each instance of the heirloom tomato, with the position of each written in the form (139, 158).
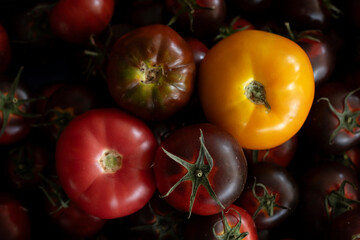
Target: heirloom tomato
(151, 72)
(259, 86)
(200, 168)
(103, 160)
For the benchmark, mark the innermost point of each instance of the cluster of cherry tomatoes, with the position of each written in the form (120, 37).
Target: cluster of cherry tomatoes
(179, 119)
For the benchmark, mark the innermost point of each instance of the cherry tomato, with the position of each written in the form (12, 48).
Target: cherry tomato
(151, 72)
(103, 160)
(76, 21)
(200, 168)
(238, 223)
(201, 18)
(327, 190)
(332, 125)
(271, 195)
(14, 220)
(5, 49)
(266, 88)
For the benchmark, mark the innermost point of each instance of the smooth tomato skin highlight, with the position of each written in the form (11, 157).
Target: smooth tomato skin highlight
(279, 64)
(81, 145)
(75, 21)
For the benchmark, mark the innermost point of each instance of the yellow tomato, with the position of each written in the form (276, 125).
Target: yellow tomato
(258, 86)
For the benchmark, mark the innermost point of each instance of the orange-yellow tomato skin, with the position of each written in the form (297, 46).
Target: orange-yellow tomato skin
(279, 64)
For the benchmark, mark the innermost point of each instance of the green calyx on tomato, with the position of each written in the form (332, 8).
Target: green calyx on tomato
(336, 202)
(10, 104)
(197, 173)
(267, 201)
(347, 118)
(111, 161)
(256, 93)
(230, 232)
(188, 6)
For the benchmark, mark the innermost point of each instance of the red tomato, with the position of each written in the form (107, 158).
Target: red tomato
(5, 49)
(211, 171)
(14, 219)
(75, 21)
(238, 219)
(103, 160)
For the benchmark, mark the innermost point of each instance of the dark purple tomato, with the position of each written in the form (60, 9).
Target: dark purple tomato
(200, 169)
(201, 18)
(333, 122)
(271, 195)
(327, 190)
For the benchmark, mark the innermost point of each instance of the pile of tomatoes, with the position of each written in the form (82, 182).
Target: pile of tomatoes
(179, 119)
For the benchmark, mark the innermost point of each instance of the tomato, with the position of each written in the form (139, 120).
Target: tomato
(5, 49)
(200, 169)
(238, 223)
(16, 110)
(345, 226)
(271, 195)
(327, 190)
(333, 123)
(14, 220)
(151, 72)
(201, 18)
(258, 86)
(76, 21)
(103, 160)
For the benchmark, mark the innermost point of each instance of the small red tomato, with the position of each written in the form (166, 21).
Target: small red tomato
(75, 21)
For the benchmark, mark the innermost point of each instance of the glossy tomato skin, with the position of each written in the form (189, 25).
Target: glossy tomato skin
(227, 177)
(315, 184)
(18, 127)
(101, 189)
(14, 221)
(201, 227)
(278, 182)
(151, 72)
(321, 54)
(76, 21)
(253, 56)
(5, 49)
(322, 122)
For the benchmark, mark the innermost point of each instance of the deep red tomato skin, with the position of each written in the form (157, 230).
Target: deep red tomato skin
(79, 149)
(227, 176)
(14, 220)
(345, 226)
(5, 49)
(201, 227)
(75, 21)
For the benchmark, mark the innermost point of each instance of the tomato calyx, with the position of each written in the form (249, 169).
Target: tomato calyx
(164, 225)
(347, 118)
(152, 74)
(10, 104)
(226, 31)
(189, 7)
(267, 201)
(256, 93)
(110, 161)
(230, 233)
(197, 173)
(336, 202)
(355, 237)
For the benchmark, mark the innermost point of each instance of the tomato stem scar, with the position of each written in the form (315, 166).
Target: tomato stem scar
(255, 92)
(110, 161)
